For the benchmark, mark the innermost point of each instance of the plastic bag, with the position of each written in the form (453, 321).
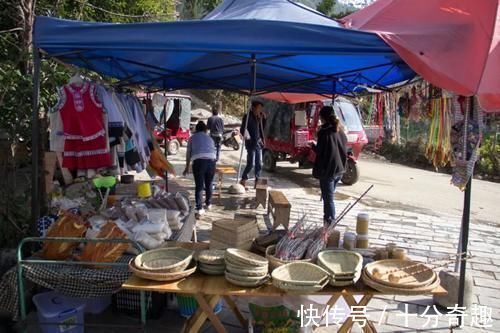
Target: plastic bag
(150, 228)
(68, 225)
(182, 202)
(146, 240)
(105, 251)
(157, 215)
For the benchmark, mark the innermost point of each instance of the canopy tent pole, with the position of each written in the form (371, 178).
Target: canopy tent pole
(35, 144)
(464, 233)
(165, 151)
(252, 92)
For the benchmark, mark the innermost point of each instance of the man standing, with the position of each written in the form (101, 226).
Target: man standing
(254, 140)
(215, 125)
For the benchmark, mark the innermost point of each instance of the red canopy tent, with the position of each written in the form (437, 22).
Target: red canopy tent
(453, 44)
(295, 98)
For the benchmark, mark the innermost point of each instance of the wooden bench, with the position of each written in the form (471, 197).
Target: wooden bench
(279, 208)
(261, 195)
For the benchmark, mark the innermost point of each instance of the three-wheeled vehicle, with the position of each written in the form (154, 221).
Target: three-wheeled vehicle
(172, 129)
(290, 127)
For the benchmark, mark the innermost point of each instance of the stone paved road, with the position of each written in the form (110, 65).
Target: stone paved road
(426, 236)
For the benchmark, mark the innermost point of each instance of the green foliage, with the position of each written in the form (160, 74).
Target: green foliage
(195, 9)
(326, 7)
(489, 161)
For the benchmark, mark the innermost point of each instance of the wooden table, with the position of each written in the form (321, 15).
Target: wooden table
(221, 170)
(208, 290)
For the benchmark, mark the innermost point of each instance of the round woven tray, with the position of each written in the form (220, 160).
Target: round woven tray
(341, 263)
(164, 260)
(165, 277)
(251, 284)
(246, 271)
(243, 258)
(400, 291)
(237, 277)
(416, 275)
(212, 257)
(275, 262)
(300, 273)
(294, 288)
(237, 264)
(212, 271)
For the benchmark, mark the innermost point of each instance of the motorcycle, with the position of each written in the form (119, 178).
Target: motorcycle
(231, 139)
(351, 174)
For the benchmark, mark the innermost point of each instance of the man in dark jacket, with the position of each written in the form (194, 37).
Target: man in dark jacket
(216, 127)
(331, 159)
(254, 140)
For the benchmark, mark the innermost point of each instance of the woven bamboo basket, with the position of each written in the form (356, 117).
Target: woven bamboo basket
(211, 257)
(248, 284)
(243, 278)
(341, 263)
(300, 273)
(400, 291)
(212, 269)
(233, 233)
(413, 274)
(274, 262)
(165, 277)
(164, 260)
(294, 288)
(246, 271)
(245, 258)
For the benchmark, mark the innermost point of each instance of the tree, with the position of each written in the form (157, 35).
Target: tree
(196, 9)
(326, 7)
(16, 21)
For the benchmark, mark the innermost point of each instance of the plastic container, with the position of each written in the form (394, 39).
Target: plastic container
(97, 305)
(362, 223)
(399, 253)
(188, 305)
(390, 248)
(349, 240)
(362, 241)
(144, 190)
(64, 313)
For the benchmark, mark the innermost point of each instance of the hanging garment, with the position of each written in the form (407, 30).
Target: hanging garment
(115, 120)
(85, 145)
(56, 136)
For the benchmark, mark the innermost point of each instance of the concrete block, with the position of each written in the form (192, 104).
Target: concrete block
(450, 282)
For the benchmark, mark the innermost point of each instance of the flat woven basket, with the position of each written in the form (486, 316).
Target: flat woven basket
(211, 257)
(165, 277)
(294, 288)
(274, 262)
(243, 278)
(164, 260)
(245, 270)
(299, 273)
(248, 284)
(341, 262)
(211, 270)
(412, 274)
(400, 291)
(244, 258)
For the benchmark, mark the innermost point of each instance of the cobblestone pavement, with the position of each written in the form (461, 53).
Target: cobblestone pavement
(427, 237)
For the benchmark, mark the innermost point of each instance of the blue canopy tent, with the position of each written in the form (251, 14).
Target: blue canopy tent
(249, 46)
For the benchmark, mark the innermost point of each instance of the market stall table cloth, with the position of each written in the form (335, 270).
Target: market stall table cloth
(208, 290)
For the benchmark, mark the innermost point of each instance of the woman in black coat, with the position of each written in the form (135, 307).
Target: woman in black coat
(331, 159)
